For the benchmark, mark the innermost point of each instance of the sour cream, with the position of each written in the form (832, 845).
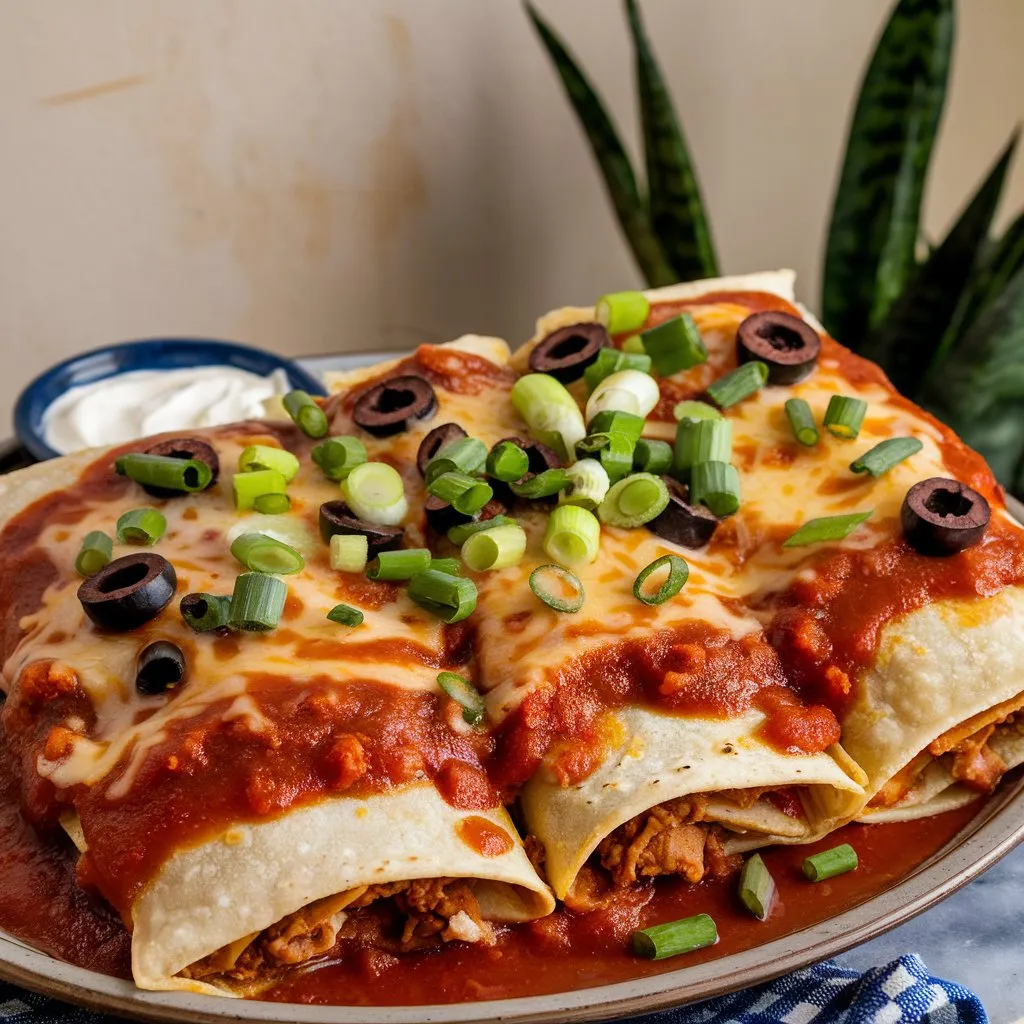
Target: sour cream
(145, 402)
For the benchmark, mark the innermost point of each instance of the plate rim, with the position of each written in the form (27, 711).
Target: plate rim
(995, 830)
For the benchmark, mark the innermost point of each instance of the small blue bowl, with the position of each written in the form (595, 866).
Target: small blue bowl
(152, 354)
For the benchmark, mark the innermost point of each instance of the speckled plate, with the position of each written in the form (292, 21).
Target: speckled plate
(993, 832)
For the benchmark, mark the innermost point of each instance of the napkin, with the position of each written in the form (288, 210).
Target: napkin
(901, 991)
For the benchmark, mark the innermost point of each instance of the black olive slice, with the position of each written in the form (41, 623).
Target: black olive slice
(540, 455)
(689, 526)
(435, 441)
(393, 405)
(942, 517)
(184, 448)
(441, 516)
(161, 667)
(787, 345)
(128, 591)
(337, 517)
(568, 352)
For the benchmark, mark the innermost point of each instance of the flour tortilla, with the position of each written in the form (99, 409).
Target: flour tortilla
(663, 757)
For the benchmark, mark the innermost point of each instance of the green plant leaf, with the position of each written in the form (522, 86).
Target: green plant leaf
(611, 158)
(870, 252)
(1000, 261)
(909, 340)
(979, 387)
(677, 209)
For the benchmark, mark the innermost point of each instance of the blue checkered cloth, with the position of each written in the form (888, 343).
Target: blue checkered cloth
(901, 991)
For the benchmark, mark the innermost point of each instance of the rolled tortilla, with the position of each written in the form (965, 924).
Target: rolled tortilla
(662, 758)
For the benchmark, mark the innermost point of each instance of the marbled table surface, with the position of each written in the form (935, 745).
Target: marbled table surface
(975, 937)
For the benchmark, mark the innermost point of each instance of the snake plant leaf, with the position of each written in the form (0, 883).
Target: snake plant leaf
(999, 261)
(870, 253)
(979, 387)
(611, 157)
(909, 340)
(677, 209)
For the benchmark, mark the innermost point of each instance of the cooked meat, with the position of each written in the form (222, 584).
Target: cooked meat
(433, 910)
(975, 764)
(718, 863)
(434, 905)
(666, 840)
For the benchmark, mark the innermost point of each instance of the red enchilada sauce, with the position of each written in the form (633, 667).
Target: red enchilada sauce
(42, 900)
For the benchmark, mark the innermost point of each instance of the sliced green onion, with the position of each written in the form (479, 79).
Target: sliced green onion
(610, 360)
(306, 414)
(592, 444)
(663, 940)
(653, 456)
(701, 441)
(345, 615)
(693, 410)
(465, 455)
(617, 457)
(844, 416)
(572, 536)
(399, 565)
(96, 551)
(263, 456)
(261, 553)
(634, 501)
(674, 345)
(588, 484)
(801, 419)
(814, 531)
(886, 455)
(452, 566)
(612, 421)
(247, 487)
(458, 535)
(634, 346)
(450, 598)
(186, 475)
(550, 412)
(257, 602)
(830, 863)
(622, 312)
(465, 694)
(141, 526)
(757, 887)
(466, 494)
(625, 391)
(543, 485)
(272, 504)
(741, 383)
(717, 486)
(349, 552)
(375, 492)
(550, 582)
(495, 549)
(678, 574)
(204, 613)
(338, 456)
(507, 462)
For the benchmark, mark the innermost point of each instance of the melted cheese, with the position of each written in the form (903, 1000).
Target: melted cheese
(519, 640)
(305, 646)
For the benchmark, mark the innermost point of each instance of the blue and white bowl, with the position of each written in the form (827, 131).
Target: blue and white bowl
(150, 354)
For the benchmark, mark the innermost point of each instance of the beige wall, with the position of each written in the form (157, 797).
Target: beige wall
(318, 175)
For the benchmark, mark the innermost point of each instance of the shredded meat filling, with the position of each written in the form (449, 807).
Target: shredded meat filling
(434, 910)
(669, 839)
